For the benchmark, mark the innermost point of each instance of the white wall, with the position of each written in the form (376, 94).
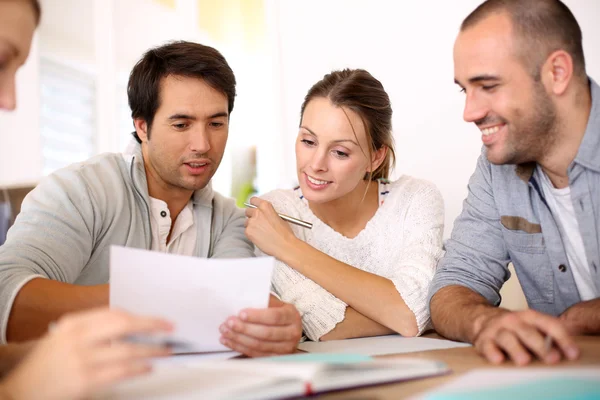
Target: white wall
(104, 38)
(19, 131)
(408, 47)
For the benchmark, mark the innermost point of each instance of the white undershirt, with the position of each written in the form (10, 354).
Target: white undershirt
(183, 238)
(559, 201)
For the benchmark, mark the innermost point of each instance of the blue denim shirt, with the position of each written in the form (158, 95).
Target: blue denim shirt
(505, 219)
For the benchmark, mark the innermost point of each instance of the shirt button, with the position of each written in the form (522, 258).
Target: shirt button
(562, 268)
(163, 214)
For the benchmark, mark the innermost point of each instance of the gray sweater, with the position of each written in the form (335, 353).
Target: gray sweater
(69, 221)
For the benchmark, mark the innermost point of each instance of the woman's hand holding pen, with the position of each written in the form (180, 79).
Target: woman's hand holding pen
(277, 329)
(267, 230)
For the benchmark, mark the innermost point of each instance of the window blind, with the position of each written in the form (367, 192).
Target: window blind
(68, 125)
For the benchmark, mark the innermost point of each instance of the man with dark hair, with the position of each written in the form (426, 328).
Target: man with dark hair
(534, 199)
(64, 363)
(146, 77)
(56, 257)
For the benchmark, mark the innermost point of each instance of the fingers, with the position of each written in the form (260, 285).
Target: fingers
(536, 343)
(286, 333)
(263, 206)
(260, 332)
(120, 352)
(522, 335)
(241, 348)
(510, 343)
(274, 301)
(110, 324)
(254, 347)
(122, 326)
(490, 351)
(557, 331)
(117, 372)
(284, 314)
(256, 201)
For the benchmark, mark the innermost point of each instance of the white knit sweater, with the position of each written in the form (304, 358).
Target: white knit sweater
(402, 242)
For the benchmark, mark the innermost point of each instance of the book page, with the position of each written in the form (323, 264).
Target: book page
(380, 345)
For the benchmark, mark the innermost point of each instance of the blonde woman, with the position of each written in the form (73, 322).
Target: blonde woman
(365, 266)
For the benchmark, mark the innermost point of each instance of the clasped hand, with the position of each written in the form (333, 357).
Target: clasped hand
(520, 335)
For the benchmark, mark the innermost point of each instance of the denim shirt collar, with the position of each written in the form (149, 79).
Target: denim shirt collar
(588, 154)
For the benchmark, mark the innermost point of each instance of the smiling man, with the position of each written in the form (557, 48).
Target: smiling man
(534, 199)
(56, 257)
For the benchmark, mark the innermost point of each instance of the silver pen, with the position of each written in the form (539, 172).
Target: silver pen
(287, 218)
(548, 343)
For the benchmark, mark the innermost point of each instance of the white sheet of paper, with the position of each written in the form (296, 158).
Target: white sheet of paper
(379, 345)
(196, 294)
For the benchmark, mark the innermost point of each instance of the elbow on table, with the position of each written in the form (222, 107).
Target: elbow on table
(407, 326)
(409, 331)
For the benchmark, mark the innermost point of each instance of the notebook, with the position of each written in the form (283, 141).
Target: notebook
(272, 378)
(380, 345)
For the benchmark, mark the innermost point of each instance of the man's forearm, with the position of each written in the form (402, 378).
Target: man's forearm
(356, 325)
(41, 301)
(583, 318)
(459, 313)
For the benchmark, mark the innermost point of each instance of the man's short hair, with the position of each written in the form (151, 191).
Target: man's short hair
(540, 27)
(180, 58)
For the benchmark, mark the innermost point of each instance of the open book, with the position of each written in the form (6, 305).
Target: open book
(273, 378)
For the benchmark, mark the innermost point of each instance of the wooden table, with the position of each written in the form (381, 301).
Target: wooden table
(460, 360)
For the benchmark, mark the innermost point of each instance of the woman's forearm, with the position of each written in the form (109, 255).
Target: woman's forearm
(356, 325)
(373, 296)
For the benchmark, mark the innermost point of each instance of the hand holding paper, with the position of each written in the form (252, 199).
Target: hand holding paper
(196, 294)
(264, 332)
